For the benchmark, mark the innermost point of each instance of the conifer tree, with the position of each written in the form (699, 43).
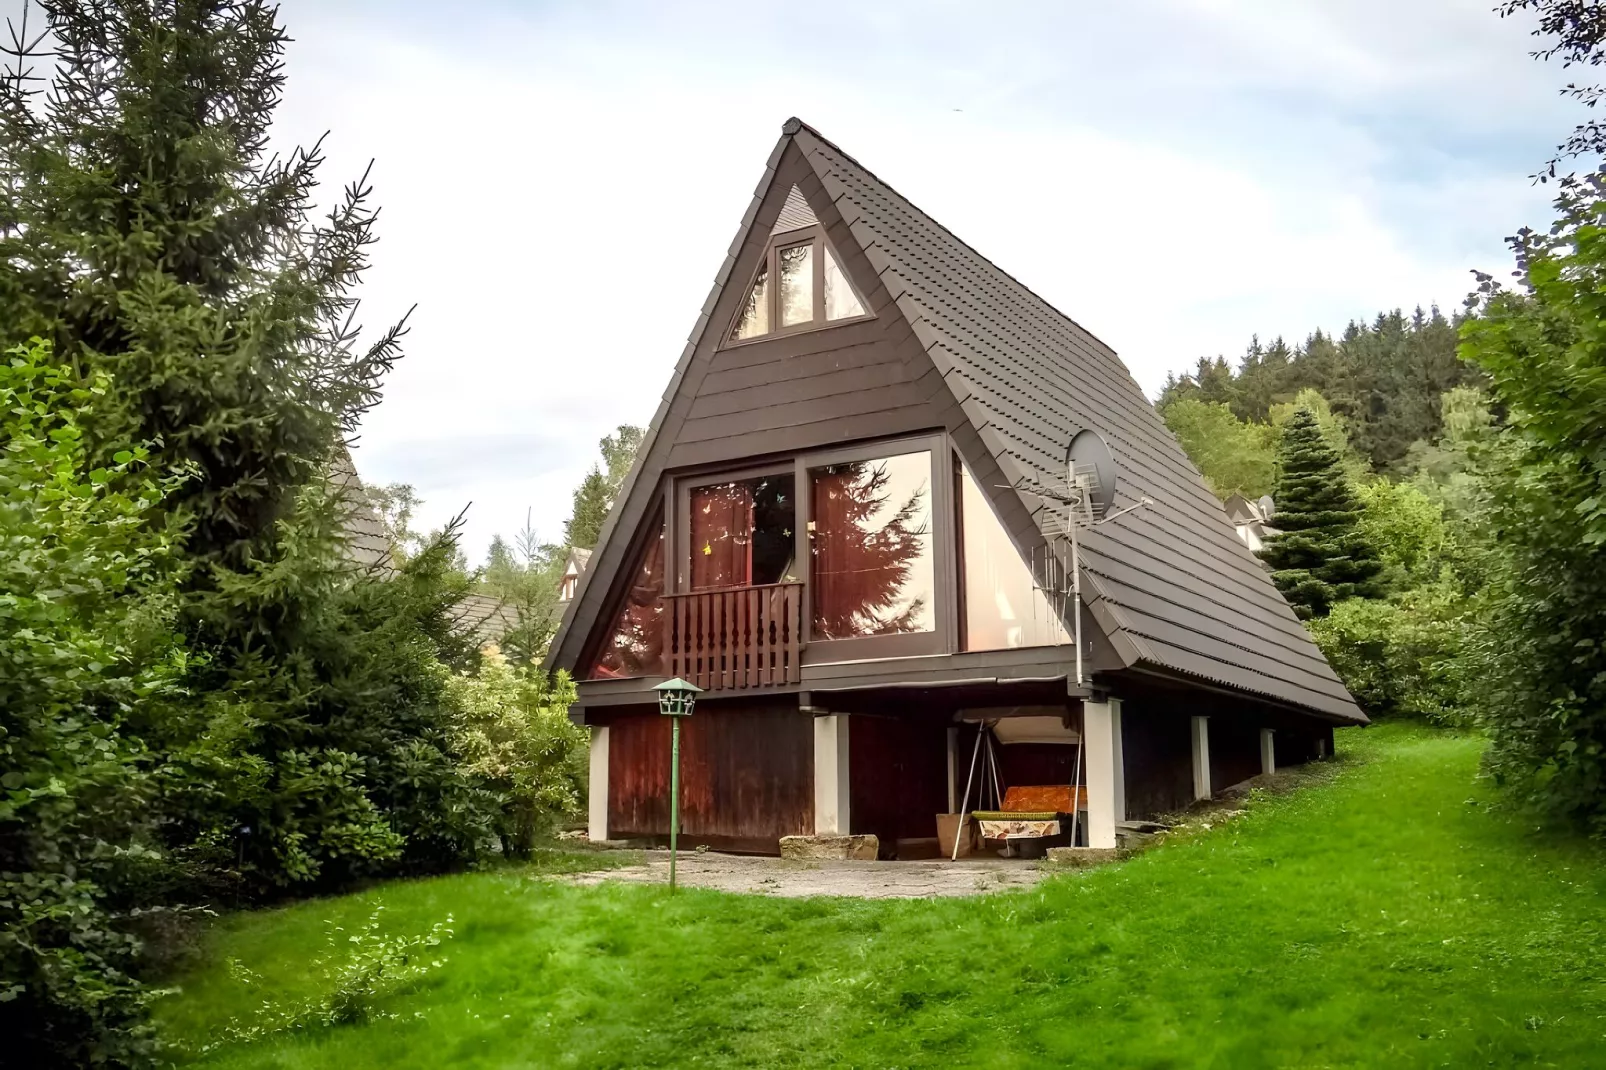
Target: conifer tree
(147, 232)
(1320, 557)
(591, 504)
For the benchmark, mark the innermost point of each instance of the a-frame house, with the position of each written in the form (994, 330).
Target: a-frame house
(832, 527)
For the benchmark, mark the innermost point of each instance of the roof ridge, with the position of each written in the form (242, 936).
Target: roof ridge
(794, 126)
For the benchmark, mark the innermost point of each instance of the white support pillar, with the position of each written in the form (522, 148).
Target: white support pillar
(1268, 752)
(831, 816)
(597, 793)
(1106, 787)
(1201, 757)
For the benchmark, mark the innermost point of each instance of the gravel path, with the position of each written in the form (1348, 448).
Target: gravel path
(864, 880)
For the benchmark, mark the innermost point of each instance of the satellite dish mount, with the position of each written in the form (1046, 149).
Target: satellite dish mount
(1084, 499)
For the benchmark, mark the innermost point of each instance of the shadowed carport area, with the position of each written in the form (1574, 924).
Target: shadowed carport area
(863, 880)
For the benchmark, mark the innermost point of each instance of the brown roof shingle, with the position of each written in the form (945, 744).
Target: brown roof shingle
(1172, 583)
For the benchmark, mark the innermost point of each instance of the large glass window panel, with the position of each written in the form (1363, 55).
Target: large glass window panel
(635, 647)
(1003, 608)
(797, 285)
(755, 317)
(743, 532)
(840, 301)
(870, 544)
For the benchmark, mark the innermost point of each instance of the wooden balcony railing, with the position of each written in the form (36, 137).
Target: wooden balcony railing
(737, 637)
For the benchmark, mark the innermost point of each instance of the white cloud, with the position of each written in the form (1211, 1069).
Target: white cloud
(560, 183)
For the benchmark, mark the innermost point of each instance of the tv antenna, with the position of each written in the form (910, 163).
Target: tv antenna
(1079, 502)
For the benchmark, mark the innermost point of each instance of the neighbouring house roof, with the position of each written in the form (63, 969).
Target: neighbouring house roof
(1170, 585)
(578, 558)
(364, 534)
(484, 617)
(481, 616)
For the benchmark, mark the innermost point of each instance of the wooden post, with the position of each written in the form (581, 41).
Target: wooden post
(1268, 752)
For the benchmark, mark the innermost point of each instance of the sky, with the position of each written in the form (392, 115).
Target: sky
(560, 182)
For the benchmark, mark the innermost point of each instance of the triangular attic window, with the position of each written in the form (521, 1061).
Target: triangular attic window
(809, 287)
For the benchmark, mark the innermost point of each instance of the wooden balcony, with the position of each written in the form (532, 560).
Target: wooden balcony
(736, 637)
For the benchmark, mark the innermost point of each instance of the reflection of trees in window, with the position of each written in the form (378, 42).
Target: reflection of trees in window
(636, 647)
(870, 543)
(742, 532)
(755, 317)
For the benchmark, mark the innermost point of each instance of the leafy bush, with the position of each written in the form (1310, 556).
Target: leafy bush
(1541, 647)
(1401, 657)
(513, 732)
(86, 646)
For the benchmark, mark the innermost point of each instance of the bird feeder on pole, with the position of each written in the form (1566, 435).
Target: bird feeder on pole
(675, 700)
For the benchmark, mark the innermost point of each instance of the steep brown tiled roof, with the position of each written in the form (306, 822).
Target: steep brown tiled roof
(1171, 583)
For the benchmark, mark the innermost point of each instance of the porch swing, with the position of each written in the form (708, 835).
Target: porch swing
(1028, 818)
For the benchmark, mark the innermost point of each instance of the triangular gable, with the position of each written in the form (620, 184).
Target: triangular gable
(1172, 585)
(705, 414)
(1012, 379)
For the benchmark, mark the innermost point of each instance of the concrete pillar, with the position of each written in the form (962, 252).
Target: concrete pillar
(831, 816)
(1201, 757)
(1268, 752)
(597, 795)
(1106, 780)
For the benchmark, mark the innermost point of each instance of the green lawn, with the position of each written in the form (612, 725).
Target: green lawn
(1390, 918)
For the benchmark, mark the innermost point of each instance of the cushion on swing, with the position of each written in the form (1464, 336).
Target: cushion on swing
(1055, 798)
(1016, 815)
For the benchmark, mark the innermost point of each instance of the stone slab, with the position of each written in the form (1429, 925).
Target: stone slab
(830, 848)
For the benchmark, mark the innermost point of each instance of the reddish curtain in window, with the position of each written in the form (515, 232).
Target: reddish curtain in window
(721, 536)
(636, 645)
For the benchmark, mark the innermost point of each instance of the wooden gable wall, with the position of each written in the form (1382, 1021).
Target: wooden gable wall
(780, 395)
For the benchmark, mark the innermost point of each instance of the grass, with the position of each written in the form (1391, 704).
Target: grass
(1393, 917)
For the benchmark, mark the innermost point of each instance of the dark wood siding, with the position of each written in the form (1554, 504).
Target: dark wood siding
(898, 777)
(1157, 752)
(1234, 750)
(747, 776)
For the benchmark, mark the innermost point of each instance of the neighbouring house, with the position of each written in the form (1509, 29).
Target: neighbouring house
(1251, 519)
(831, 528)
(573, 565)
(479, 616)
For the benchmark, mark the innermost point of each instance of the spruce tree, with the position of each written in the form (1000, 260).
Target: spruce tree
(591, 504)
(1320, 557)
(146, 231)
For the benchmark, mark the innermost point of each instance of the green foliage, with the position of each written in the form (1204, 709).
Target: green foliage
(1544, 351)
(513, 733)
(1320, 555)
(324, 754)
(86, 583)
(1384, 378)
(1392, 917)
(152, 235)
(1234, 457)
(1404, 656)
(394, 505)
(592, 501)
(525, 578)
(595, 495)
(359, 972)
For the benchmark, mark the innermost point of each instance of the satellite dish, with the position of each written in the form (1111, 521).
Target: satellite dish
(1268, 508)
(1090, 454)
